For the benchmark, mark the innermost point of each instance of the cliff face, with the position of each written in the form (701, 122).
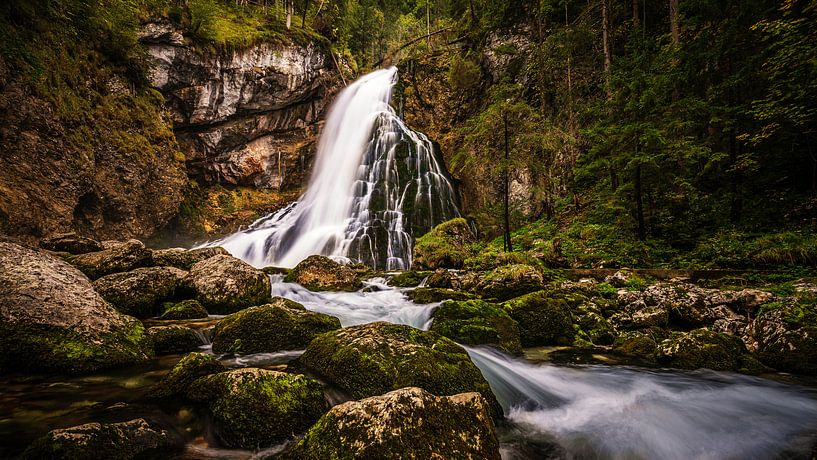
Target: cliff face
(244, 117)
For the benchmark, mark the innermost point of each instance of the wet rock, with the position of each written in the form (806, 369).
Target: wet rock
(52, 320)
(185, 372)
(224, 284)
(408, 278)
(786, 334)
(593, 326)
(507, 282)
(618, 279)
(174, 339)
(431, 295)
(320, 273)
(280, 325)
(121, 257)
(140, 292)
(639, 344)
(637, 315)
(542, 318)
(375, 358)
(446, 246)
(442, 278)
(701, 348)
(406, 423)
(184, 258)
(104, 441)
(186, 309)
(70, 243)
(475, 322)
(258, 407)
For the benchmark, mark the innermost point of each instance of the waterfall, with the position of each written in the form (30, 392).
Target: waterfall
(375, 186)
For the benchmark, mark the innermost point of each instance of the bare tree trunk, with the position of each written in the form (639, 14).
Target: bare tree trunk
(605, 34)
(289, 6)
(508, 246)
(636, 16)
(303, 16)
(673, 22)
(428, 23)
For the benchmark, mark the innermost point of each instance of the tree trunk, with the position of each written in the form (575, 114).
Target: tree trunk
(508, 246)
(636, 16)
(473, 13)
(303, 16)
(639, 205)
(605, 34)
(428, 23)
(673, 22)
(288, 5)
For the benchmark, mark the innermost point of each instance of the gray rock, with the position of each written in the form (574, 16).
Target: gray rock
(70, 243)
(120, 257)
(184, 258)
(224, 284)
(140, 292)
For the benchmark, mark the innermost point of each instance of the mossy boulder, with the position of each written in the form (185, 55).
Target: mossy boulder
(257, 407)
(409, 278)
(431, 295)
(442, 278)
(104, 441)
(507, 282)
(320, 273)
(375, 358)
(280, 325)
(118, 257)
(542, 319)
(701, 348)
(224, 284)
(70, 243)
(639, 344)
(786, 333)
(405, 423)
(184, 259)
(445, 246)
(185, 372)
(186, 309)
(174, 339)
(476, 322)
(52, 320)
(140, 292)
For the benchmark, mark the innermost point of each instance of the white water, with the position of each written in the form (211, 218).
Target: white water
(357, 206)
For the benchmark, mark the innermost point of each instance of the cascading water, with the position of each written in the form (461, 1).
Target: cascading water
(376, 184)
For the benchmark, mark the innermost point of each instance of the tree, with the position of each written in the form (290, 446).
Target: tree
(673, 22)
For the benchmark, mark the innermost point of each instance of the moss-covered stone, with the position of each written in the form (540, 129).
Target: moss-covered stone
(431, 295)
(375, 358)
(409, 278)
(639, 344)
(406, 423)
(224, 284)
(174, 339)
(542, 319)
(507, 282)
(185, 372)
(475, 322)
(442, 278)
(140, 292)
(701, 348)
(184, 258)
(319, 273)
(786, 333)
(257, 407)
(186, 309)
(104, 441)
(446, 246)
(280, 325)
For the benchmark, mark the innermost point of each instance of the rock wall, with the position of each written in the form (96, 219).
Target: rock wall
(242, 117)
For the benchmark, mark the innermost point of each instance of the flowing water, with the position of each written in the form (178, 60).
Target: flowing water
(376, 184)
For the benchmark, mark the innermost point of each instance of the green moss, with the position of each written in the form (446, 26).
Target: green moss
(431, 295)
(542, 319)
(408, 278)
(475, 322)
(445, 246)
(186, 371)
(174, 339)
(701, 348)
(639, 344)
(186, 309)
(509, 281)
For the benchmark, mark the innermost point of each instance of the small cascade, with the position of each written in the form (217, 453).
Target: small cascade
(376, 185)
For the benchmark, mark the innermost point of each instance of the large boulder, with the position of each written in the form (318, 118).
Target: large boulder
(140, 292)
(786, 334)
(445, 246)
(52, 320)
(639, 344)
(542, 319)
(185, 258)
(319, 273)
(224, 284)
(375, 358)
(174, 339)
(104, 441)
(184, 373)
(432, 295)
(405, 423)
(117, 258)
(701, 348)
(475, 322)
(409, 278)
(258, 407)
(280, 325)
(186, 309)
(70, 243)
(506, 282)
